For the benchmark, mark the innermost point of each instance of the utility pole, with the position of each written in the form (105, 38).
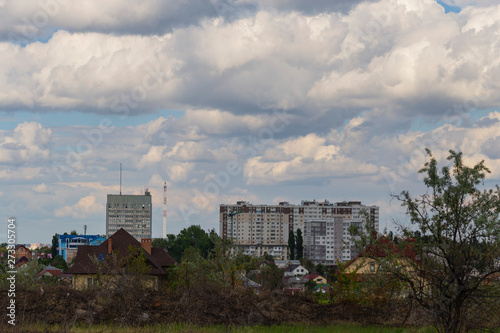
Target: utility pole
(164, 210)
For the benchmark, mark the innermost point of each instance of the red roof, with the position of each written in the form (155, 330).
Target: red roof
(53, 272)
(383, 246)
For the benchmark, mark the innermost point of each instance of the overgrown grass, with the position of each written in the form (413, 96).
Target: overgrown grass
(182, 328)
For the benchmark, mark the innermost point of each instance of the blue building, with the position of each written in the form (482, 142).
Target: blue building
(68, 244)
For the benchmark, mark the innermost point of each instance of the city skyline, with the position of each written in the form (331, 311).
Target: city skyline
(230, 100)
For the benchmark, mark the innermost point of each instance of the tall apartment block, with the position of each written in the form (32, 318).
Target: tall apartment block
(329, 241)
(256, 229)
(130, 212)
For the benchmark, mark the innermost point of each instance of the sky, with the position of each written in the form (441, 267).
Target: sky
(227, 100)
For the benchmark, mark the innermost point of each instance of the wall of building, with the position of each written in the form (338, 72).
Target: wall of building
(130, 212)
(257, 225)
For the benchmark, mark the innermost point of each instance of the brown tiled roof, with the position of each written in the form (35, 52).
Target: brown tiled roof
(22, 259)
(53, 272)
(121, 241)
(21, 245)
(162, 257)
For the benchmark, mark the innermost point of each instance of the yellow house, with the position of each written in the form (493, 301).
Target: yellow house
(399, 265)
(371, 260)
(316, 278)
(105, 263)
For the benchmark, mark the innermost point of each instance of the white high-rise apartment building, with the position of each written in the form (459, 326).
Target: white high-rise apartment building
(256, 229)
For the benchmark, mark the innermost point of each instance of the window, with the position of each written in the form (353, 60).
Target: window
(372, 267)
(90, 282)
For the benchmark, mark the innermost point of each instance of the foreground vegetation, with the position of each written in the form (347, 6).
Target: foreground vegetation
(181, 328)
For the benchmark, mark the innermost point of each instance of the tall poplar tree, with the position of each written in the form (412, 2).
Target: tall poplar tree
(291, 245)
(300, 244)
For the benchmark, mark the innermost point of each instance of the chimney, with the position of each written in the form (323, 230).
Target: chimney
(146, 244)
(110, 248)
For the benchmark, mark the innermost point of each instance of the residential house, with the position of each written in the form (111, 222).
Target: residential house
(284, 263)
(21, 250)
(316, 278)
(293, 285)
(296, 270)
(295, 282)
(250, 284)
(369, 261)
(21, 261)
(49, 273)
(55, 274)
(95, 263)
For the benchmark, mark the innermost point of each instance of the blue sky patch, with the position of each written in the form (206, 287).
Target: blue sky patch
(9, 121)
(449, 8)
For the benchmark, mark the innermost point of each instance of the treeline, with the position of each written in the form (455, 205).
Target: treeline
(192, 237)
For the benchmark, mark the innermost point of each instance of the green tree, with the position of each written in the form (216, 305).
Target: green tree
(44, 250)
(193, 236)
(160, 242)
(272, 277)
(267, 256)
(73, 232)
(291, 245)
(320, 269)
(221, 271)
(26, 277)
(55, 245)
(308, 264)
(300, 244)
(310, 284)
(3, 249)
(59, 262)
(452, 277)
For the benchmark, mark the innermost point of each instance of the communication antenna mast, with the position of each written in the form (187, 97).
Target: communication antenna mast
(120, 179)
(165, 210)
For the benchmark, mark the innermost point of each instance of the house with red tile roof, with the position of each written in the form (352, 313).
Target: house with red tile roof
(54, 274)
(366, 261)
(49, 273)
(96, 264)
(316, 278)
(22, 251)
(21, 261)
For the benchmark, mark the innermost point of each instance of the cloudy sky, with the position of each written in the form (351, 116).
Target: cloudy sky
(225, 100)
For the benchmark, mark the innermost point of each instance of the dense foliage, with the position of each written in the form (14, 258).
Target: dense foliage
(193, 236)
(449, 264)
